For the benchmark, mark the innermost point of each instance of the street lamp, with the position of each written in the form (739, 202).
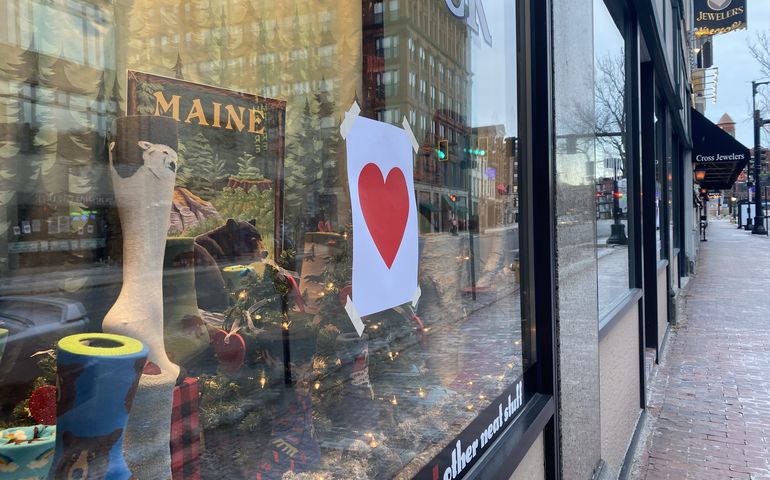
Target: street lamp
(732, 207)
(759, 223)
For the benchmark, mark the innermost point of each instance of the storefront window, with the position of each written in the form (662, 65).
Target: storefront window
(204, 177)
(611, 164)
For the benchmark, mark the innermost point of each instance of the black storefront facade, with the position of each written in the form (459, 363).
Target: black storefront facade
(551, 237)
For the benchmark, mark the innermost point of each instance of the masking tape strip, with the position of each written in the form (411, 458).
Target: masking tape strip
(350, 118)
(405, 124)
(416, 297)
(354, 317)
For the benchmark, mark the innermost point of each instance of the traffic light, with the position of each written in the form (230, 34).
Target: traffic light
(764, 155)
(618, 195)
(442, 152)
(475, 151)
(482, 146)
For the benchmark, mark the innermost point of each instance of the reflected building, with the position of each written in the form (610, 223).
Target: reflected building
(62, 92)
(495, 177)
(418, 68)
(57, 98)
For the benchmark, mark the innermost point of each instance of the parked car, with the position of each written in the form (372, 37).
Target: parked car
(33, 324)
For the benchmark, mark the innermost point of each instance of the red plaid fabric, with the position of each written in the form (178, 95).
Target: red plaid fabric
(185, 432)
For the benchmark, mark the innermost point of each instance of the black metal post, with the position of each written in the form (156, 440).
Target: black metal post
(759, 223)
(617, 229)
(471, 252)
(733, 208)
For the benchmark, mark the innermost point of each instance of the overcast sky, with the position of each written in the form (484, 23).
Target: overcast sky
(737, 68)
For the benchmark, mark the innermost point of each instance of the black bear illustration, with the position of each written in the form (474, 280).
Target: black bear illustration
(235, 241)
(85, 458)
(66, 376)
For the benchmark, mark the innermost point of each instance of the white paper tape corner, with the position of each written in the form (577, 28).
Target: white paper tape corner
(416, 297)
(350, 118)
(354, 317)
(415, 144)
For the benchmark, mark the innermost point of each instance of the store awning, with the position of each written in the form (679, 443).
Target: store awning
(456, 205)
(717, 153)
(429, 207)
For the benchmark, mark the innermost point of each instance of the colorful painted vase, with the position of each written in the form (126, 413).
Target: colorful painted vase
(26, 452)
(236, 276)
(97, 376)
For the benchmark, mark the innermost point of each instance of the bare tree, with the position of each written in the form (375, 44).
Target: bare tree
(607, 117)
(760, 50)
(610, 105)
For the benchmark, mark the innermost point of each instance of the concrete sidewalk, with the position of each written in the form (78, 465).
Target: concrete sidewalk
(709, 409)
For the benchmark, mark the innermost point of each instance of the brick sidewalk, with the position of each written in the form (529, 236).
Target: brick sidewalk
(709, 411)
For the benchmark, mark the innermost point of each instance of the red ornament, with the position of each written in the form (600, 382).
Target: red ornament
(42, 405)
(230, 351)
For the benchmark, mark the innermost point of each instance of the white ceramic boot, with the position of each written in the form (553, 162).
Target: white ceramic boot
(143, 164)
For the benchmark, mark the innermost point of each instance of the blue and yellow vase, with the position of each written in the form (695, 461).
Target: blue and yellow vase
(97, 375)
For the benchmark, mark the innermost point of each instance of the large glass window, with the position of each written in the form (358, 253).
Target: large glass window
(180, 172)
(611, 159)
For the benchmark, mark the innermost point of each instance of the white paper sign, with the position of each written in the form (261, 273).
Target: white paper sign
(384, 210)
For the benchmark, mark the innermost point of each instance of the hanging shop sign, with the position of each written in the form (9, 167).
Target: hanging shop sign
(472, 11)
(231, 147)
(713, 17)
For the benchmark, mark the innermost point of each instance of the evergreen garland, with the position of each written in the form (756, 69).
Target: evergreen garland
(20, 416)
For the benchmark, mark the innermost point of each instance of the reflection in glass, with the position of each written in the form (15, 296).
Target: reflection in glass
(257, 262)
(611, 181)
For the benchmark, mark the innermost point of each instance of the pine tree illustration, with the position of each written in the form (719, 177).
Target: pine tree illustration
(115, 103)
(329, 135)
(177, 68)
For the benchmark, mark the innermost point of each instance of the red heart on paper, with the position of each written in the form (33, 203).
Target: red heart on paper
(385, 205)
